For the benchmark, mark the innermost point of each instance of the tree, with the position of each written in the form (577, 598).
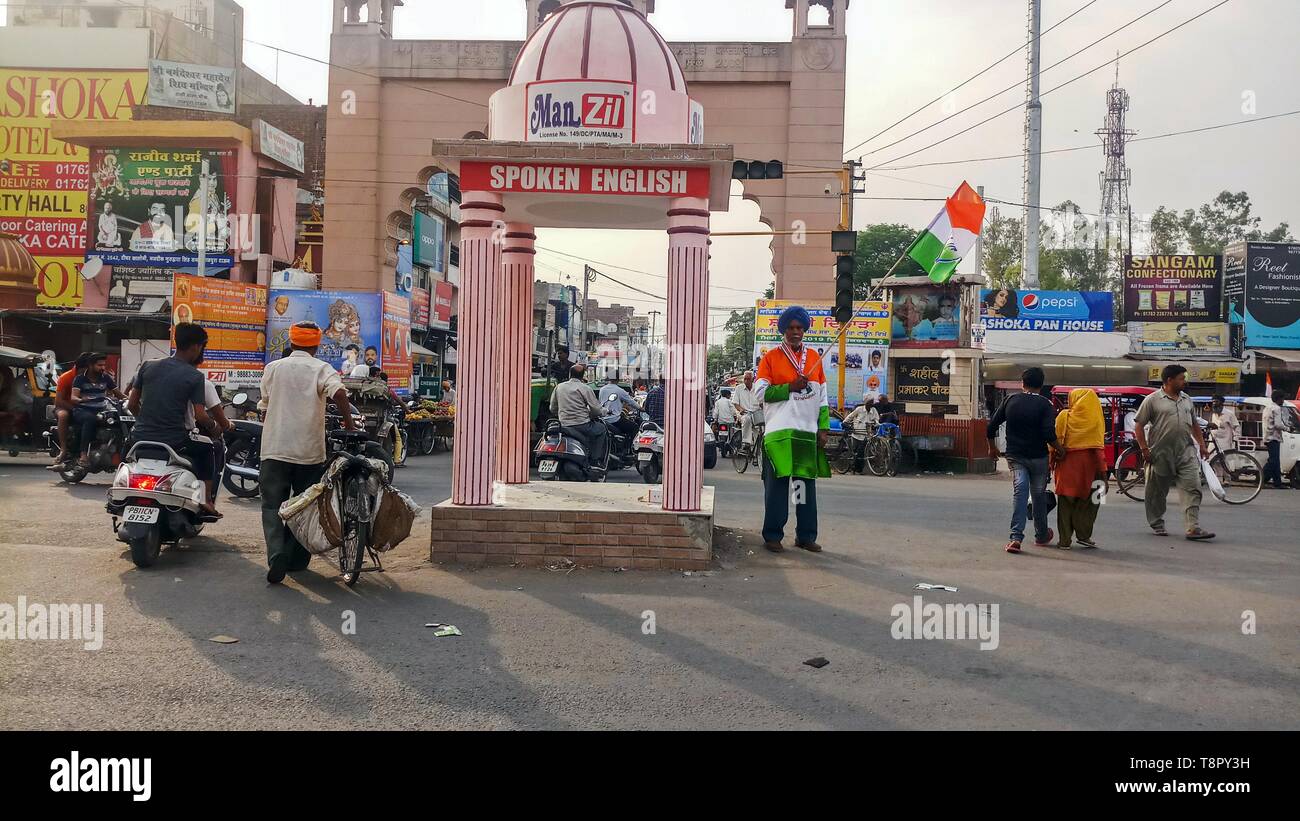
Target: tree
(1166, 231)
(1003, 247)
(1227, 219)
(737, 346)
(879, 247)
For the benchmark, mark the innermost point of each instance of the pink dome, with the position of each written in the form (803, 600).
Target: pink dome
(598, 39)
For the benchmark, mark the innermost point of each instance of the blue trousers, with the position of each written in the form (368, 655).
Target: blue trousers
(1029, 481)
(777, 498)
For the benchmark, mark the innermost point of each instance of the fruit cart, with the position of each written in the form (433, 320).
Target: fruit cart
(431, 424)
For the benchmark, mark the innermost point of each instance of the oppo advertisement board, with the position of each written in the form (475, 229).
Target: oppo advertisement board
(1263, 292)
(1008, 309)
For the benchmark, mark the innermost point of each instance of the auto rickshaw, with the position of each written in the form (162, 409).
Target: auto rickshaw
(26, 402)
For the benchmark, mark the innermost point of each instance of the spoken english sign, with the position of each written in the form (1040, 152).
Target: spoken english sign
(553, 178)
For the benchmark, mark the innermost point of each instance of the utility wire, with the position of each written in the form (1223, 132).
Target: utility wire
(974, 76)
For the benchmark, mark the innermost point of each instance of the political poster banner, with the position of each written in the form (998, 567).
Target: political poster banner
(43, 196)
(140, 289)
(146, 205)
(1173, 288)
(925, 317)
(352, 324)
(866, 371)
(395, 351)
(234, 315)
(192, 86)
(1010, 309)
(1179, 337)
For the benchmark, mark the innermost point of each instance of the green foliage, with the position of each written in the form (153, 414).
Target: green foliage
(879, 247)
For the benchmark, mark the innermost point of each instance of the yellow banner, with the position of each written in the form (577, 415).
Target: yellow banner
(870, 324)
(1202, 373)
(43, 194)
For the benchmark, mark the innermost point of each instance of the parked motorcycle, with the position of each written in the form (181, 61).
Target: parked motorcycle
(112, 431)
(563, 454)
(722, 434)
(241, 475)
(650, 451)
(155, 499)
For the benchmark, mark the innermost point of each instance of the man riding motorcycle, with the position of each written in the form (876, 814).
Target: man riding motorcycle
(574, 403)
(161, 393)
(90, 392)
(63, 406)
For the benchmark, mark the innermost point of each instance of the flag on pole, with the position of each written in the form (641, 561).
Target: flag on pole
(1268, 385)
(950, 235)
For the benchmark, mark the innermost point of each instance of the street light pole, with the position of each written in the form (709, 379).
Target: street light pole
(654, 323)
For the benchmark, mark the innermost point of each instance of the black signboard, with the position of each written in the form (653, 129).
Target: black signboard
(1173, 288)
(920, 380)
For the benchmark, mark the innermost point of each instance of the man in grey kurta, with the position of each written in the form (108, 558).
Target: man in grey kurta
(1173, 448)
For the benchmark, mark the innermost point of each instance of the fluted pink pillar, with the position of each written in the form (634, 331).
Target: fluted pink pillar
(516, 315)
(478, 349)
(687, 343)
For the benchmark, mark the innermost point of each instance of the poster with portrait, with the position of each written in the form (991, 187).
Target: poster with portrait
(352, 323)
(925, 317)
(1179, 337)
(146, 206)
(395, 348)
(1173, 288)
(866, 348)
(192, 86)
(234, 315)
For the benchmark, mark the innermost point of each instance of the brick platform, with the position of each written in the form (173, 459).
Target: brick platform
(595, 525)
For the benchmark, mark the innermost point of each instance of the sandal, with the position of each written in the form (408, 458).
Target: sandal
(1160, 531)
(1199, 535)
(1013, 547)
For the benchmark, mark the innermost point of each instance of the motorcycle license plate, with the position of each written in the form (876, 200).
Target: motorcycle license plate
(644, 456)
(547, 466)
(140, 514)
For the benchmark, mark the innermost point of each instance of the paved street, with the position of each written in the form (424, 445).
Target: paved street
(1143, 633)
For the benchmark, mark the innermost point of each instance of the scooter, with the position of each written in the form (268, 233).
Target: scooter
(241, 475)
(649, 444)
(563, 455)
(155, 498)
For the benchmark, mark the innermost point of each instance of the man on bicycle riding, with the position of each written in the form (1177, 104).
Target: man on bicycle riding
(295, 390)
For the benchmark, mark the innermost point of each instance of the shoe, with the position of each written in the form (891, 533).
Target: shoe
(1199, 535)
(775, 547)
(1013, 546)
(1047, 542)
(811, 547)
(1089, 543)
(1064, 546)
(275, 573)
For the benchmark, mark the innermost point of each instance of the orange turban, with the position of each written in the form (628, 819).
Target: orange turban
(305, 336)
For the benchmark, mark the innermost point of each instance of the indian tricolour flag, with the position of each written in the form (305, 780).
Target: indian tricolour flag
(951, 235)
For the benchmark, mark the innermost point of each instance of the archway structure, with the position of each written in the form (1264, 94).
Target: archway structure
(770, 100)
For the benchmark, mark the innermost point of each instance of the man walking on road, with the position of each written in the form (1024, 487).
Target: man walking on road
(1031, 427)
(1171, 448)
(1275, 425)
(295, 390)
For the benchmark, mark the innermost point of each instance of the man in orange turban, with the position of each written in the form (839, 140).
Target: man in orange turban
(295, 390)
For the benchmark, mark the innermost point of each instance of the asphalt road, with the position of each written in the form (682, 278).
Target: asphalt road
(1144, 633)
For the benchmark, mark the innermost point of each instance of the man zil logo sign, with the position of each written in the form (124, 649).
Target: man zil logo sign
(580, 111)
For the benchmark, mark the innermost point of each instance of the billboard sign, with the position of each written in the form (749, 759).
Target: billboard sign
(1173, 288)
(234, 315)
(395, 350)
(353, 324)
(866, 372)
(430, 246)
(580, 111)
(140, 289)
(196, 87)
(921, 380)
(43, 191)
(1269, 303)
(926, 318)
(420, 300)
(285, 149)
(146, 206)
(443, 294)
(1179, 337)
(1008, 309)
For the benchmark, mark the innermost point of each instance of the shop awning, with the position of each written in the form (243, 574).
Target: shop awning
(418, 351)
(1066, 370)
(1291, 358)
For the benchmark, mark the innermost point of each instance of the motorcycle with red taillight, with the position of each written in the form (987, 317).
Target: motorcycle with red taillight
(155, 499)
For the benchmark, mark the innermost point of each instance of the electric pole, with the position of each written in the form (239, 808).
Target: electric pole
(1033, 149)
(654, 322)
(203, 229)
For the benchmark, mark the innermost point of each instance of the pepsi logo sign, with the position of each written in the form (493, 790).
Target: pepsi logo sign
(1030, 302)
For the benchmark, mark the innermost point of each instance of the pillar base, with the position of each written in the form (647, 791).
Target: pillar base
(592, 525)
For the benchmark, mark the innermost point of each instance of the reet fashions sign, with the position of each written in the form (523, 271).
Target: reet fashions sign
(1173, 288)
(1008, 309)
(580, 111)
(558, 178)
(1263, 292)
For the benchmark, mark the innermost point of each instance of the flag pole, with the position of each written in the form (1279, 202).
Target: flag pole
(872, 293)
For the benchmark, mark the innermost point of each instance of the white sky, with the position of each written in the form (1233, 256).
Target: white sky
(905, 52)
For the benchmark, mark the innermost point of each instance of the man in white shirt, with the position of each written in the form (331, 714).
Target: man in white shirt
(1227, 428)
(747, 403)
(724, 410)
(1275, 424)
(295, 390)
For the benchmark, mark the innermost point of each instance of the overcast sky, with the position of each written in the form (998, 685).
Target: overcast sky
(903, 53)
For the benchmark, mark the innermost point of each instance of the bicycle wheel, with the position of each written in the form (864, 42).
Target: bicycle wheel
(877, 456)
(841, 458)
(356, 532)
(893, 457)
(427, 439)
(1130, 474)
(1241, 475)
(740, 458)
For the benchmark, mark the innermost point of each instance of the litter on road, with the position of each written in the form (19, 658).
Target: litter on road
(224, 639)
(440, 629)
(928, 586)
(818, 662)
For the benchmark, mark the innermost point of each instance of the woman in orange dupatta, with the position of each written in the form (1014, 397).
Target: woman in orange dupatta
(1080, 467)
